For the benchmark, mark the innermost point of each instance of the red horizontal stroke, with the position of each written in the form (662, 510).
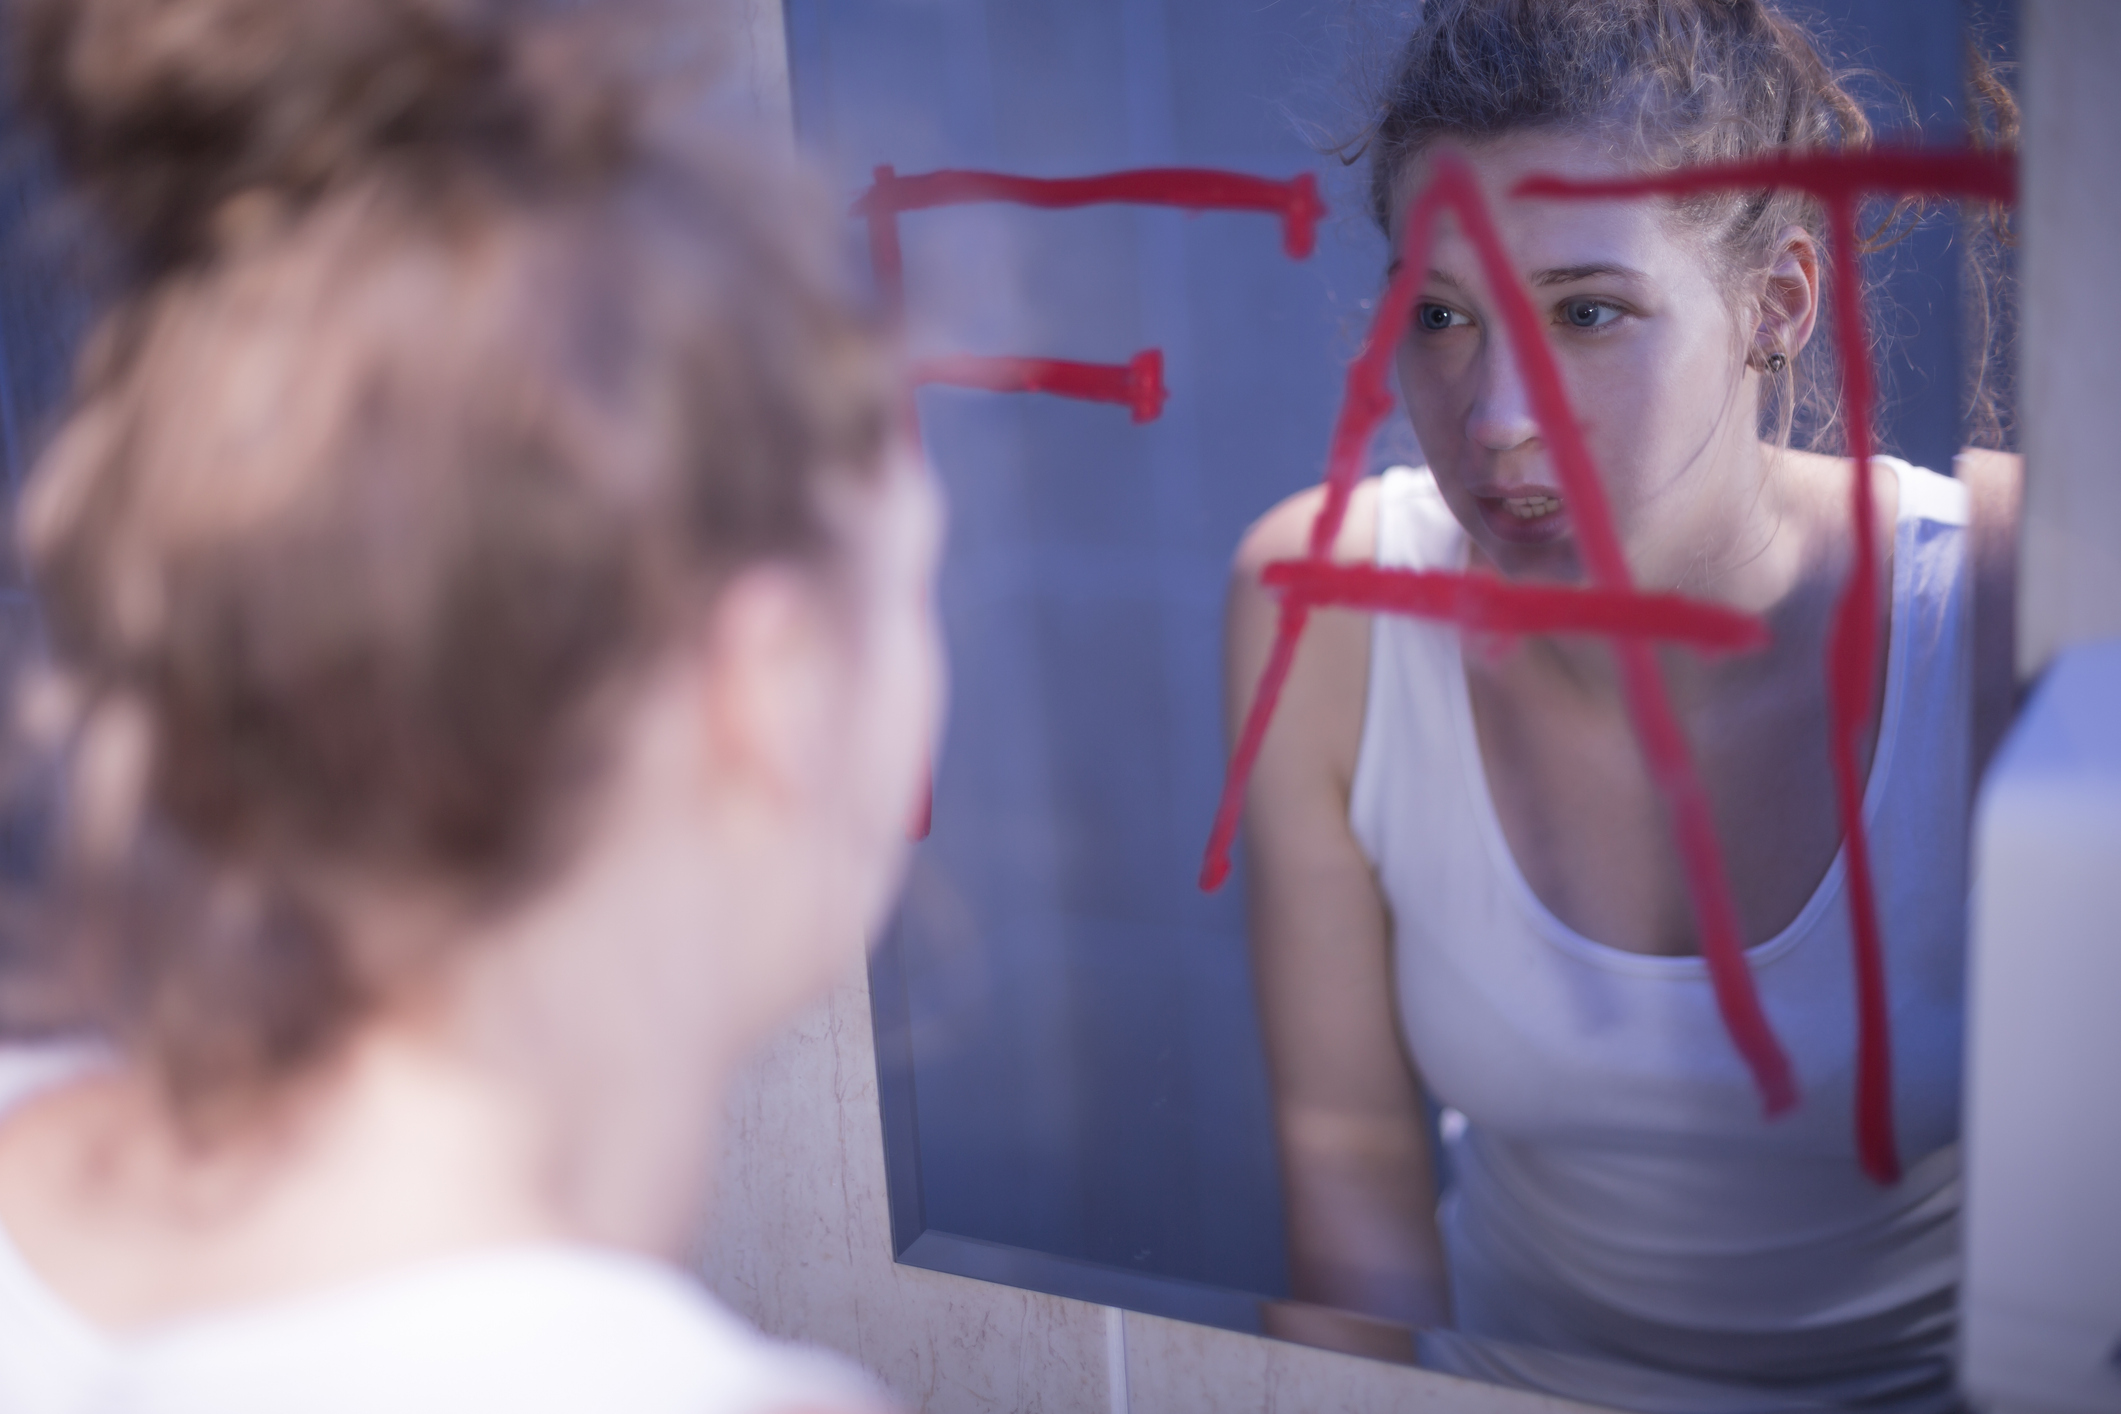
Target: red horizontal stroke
(1490, 604)
(1137, 384)
(1366, 403)
(1295, 200)
(1909, 171)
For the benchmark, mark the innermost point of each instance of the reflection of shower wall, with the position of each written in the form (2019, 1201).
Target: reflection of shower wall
(41, 313)
(1920, 304)
(41, 307)
(1088, 1076)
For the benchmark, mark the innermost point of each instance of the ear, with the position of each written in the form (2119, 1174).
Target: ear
(1789, 298)
(767, 685)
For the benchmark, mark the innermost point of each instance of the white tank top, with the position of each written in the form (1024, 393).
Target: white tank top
(532, 1328)
(1617, 1191)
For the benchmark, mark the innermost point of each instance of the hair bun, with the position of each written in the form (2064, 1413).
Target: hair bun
(165, 110)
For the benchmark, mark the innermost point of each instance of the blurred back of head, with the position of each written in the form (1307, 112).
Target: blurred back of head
(442, 388)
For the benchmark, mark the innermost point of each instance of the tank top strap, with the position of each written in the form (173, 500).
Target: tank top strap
(1925, 495)
(1415, 529)
(1932, 608)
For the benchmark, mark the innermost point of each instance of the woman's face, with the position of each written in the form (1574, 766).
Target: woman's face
(1648, 349)
(860, 730)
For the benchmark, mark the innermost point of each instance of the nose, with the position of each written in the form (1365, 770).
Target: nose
(1500, 418)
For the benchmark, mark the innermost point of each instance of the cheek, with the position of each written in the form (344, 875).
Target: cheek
(1661, 397)
(1429, 388)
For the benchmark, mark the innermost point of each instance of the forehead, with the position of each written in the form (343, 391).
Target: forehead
(1544, 234)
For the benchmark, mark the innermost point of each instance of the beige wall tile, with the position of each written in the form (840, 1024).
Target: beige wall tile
(1175, 1368)
(800, 1243)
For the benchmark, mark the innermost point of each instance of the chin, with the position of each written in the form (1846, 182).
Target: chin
(1553, 563)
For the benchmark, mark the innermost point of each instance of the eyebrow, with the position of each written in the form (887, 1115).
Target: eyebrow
(1561, 275)
(1569, 274)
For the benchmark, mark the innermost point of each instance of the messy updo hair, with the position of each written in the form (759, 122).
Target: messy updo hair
(1679, 83)
(443, 385)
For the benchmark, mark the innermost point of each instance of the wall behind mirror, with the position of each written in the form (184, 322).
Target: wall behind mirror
(43, 308)
(1072, 1059)
(1087, 1064)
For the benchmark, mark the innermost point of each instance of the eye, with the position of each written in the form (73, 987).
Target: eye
(1434, 317)
(1589, 313)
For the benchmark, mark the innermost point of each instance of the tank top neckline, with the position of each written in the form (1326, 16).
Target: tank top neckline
(1550, 926)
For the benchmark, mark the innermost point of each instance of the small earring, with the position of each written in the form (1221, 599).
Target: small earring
(1777, 361)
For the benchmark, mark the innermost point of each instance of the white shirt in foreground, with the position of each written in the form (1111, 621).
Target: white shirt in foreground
(543, 1329)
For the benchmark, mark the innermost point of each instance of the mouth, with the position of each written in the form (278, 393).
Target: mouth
(1523, 515)
(1532, 507)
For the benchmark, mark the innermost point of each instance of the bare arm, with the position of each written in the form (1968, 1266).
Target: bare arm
(1995, 483)
(1352, 1131)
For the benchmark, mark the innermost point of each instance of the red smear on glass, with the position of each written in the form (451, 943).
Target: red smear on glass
(1880, 171)
(1190, 188)
(923, 819)
(1136, 384)
(1839, 182)
(1487, 603)
(1367, 402)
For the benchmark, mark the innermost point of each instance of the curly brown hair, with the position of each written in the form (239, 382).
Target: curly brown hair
(444, 388)
(1679, 82)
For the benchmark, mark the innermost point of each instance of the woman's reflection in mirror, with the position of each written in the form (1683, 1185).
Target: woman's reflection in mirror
(1461, 875)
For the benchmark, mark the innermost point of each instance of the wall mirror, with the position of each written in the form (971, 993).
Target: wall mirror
(1076, 1088)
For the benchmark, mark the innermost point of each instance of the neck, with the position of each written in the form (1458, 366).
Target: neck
(554, 1075)
(563, 1086)
(601, 1021)
(1721, 531)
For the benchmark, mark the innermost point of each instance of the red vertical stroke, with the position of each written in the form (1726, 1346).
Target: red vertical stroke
(1368, 399)
(1839, 181)
(1288, 629)
(886, 260)
(1365, 403)
(923, 819)
(1657, 726)
(1852, 677)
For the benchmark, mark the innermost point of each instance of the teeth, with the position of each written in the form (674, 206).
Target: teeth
(1532, 507)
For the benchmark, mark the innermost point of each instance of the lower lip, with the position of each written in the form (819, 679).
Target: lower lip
(1522, 530)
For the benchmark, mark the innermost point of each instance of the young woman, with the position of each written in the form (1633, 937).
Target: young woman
(1462, 875)
(493, 667)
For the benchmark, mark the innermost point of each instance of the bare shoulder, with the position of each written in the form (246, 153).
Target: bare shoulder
(1284, 532)
(1828, 479)
(1318, 724)
(1995, 485)
(1994, 482)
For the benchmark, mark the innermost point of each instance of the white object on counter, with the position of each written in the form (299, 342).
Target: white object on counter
(2041, 1302)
